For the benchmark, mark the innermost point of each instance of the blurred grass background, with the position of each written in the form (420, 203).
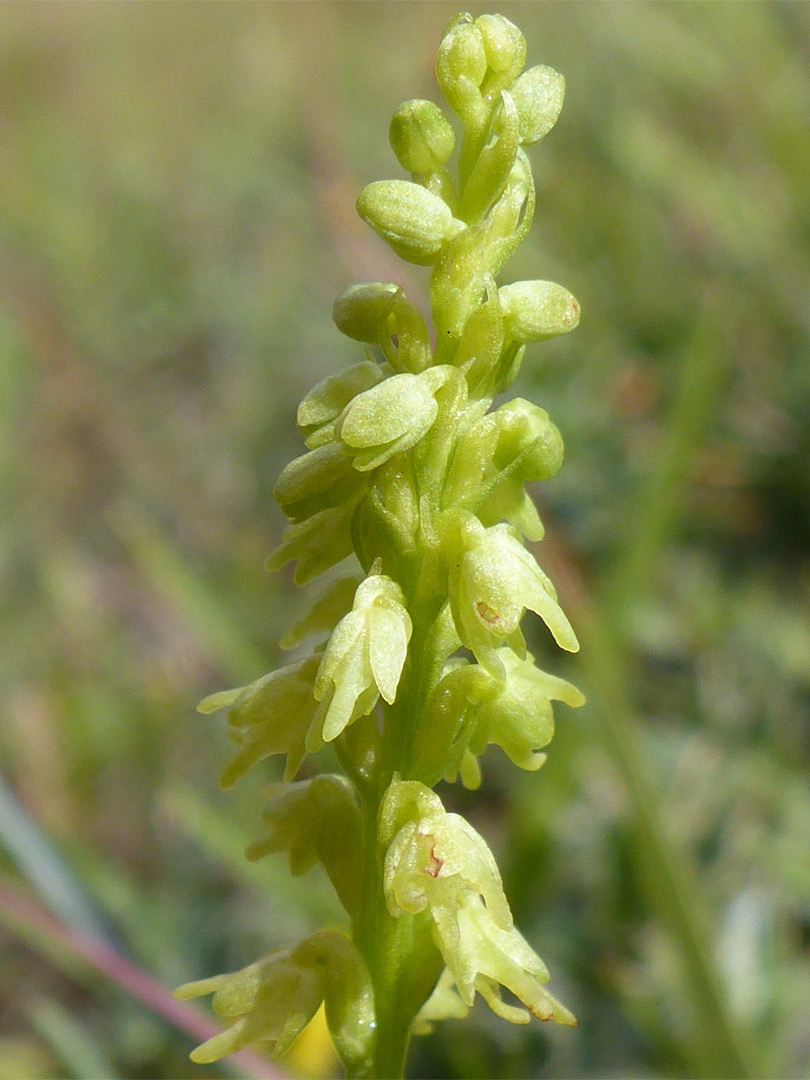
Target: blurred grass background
(177, 215)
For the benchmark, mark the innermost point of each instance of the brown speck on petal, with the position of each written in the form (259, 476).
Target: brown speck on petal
(486, 613)
(435, 864)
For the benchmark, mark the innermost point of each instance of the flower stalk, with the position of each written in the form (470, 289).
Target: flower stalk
(413, 661)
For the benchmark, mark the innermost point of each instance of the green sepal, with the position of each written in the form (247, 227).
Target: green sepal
(327, 400)
(326, 608)
(273, 999)
(379, 313)
(316, 481)
(446, 725)
(538, 95)
(404, 801)
(492, 581)
(537, 310)
(505, 48)
(489, 956)
(414, 221)
(391, 417)
(363, 659)
(316, 544)
(421, 136)
(528, 444)
(461, 65)
(482, 342)
(313, 821)
(269, 716)
(495, 162)
(358, 310)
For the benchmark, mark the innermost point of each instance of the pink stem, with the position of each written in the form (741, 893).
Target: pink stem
(119, 970)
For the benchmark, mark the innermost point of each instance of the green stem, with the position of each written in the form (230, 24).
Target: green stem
(382, 939)
(402, 960)
(376, 937)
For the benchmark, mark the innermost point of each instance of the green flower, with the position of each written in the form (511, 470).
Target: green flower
(326, 401)
(312, 821)
(477, 59)
(380, 313)
(415, 222)
(315, 544)
(470, 709)
(536, 310)
(421, 136)
(320, 480)
(432, 859)
(527, 444)
(486, 958)
(392, 417)
(516, 713)
(269, 716)
(502, 450)
(538, 96)
(273, 999)
(435, 861)
(363, 659)
(492, 580)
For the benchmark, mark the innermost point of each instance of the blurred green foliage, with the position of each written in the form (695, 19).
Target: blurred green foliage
(177, 215)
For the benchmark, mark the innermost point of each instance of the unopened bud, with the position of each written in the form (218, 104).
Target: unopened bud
(525, 432)
(504, 45)
(421, 136)
(461, 65)
(324, 403)
(392, 417)
(538, 96)
(534, 310)
(414, 221)
(360, 309)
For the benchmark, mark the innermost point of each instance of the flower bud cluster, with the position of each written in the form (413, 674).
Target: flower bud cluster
(415, 661)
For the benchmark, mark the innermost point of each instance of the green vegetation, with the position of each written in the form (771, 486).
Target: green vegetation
(177, 215)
